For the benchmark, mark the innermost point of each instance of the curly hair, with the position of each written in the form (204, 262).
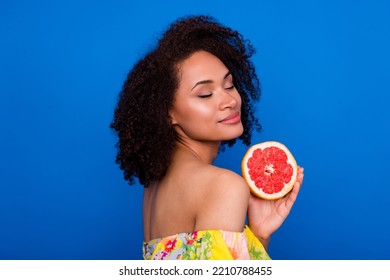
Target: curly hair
(146, 137)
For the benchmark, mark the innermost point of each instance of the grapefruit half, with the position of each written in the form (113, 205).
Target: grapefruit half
(269, 169)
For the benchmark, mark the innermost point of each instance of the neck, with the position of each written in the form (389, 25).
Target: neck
(207, 152)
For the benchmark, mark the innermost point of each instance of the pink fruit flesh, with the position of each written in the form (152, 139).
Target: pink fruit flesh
(269, 169)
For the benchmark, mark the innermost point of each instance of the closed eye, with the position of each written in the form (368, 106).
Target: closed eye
(231, 87)
(205, 95)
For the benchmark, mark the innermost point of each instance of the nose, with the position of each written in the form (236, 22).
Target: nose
(229, 99)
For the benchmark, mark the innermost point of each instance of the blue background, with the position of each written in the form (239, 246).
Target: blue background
(324, 68)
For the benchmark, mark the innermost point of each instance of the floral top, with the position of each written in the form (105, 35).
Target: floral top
(206, 245)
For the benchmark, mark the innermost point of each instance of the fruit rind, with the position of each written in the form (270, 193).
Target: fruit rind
(245, 171)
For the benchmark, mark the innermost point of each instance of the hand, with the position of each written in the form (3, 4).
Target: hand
(266, 216)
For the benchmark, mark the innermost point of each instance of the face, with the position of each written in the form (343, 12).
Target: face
(207, 106)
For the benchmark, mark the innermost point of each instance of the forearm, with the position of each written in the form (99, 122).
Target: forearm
(265, 242)
(263, 238)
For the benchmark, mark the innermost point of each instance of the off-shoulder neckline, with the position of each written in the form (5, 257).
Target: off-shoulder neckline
(194, 232)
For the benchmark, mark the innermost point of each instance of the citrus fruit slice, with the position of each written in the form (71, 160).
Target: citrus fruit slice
(269, 169)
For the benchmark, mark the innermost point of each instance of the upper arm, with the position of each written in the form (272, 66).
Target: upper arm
(223, 203)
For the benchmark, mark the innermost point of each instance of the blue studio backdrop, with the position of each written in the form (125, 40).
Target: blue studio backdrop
(324, 67)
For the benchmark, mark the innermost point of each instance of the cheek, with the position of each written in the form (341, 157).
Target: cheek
(238, 98)
(193, 114)
(202, 111)
(197, 111)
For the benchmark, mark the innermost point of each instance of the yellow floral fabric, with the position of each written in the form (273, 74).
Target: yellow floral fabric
(206, 245)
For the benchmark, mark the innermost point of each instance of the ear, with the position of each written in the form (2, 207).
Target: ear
(172, 117)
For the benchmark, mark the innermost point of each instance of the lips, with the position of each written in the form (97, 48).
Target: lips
(232, 119)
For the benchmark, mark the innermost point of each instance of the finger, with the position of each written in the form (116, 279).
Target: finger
(300, 175)
(292, 197)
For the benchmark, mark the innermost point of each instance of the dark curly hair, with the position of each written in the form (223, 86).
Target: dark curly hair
(141, 118)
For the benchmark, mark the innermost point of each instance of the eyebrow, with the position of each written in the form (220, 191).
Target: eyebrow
(210, 81)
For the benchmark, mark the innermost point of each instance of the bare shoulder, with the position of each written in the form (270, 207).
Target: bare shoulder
(229, 184)
(223, 200)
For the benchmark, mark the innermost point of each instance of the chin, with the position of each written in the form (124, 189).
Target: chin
(239, 132)
(228, 133)
(233, 135)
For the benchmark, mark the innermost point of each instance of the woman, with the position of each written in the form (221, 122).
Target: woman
(186, 99)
